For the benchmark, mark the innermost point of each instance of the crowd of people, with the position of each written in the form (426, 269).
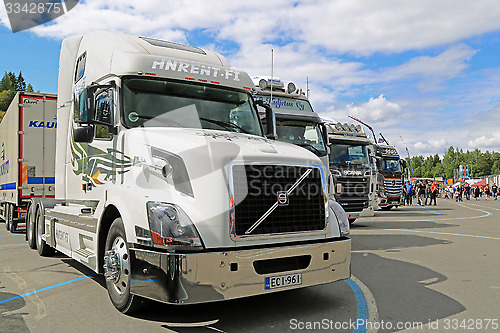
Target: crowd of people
(426, 192)
(465, 191)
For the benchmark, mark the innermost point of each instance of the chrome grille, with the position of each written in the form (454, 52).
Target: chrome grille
(393, 187)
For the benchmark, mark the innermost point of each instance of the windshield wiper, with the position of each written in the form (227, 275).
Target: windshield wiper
(225, 124)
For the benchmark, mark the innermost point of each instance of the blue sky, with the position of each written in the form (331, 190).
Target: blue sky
(425, 70)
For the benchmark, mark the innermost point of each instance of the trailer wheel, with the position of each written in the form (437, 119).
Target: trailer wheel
(13, 222)
(43, 249)
(30, 227)
(117, 270)
(8, 216)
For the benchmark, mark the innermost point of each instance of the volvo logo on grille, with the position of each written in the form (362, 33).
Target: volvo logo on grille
(282, 198)
(393, 183)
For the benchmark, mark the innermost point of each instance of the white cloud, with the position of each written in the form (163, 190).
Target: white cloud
(445, 65)
(377, 112)
(364, 27)
(484, 142)
(431, 146)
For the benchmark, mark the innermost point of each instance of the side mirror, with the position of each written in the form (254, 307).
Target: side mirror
(403, 163)
(324, 133)
(270, 119)
(95, 109)
(83, 134)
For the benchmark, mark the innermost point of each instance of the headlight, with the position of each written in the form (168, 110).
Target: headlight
(171, 228)
(342, 219)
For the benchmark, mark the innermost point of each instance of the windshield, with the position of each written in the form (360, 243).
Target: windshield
(302, 133)
(348, 155)
(389, 165)
(161, 103)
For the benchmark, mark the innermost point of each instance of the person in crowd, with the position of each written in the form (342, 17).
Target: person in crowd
(427, 192)
(487, 191)
(494, 191)
(459, 193)
(467, 191)
(434, 189)
(408, 190)
(420, 192)
(477, 192)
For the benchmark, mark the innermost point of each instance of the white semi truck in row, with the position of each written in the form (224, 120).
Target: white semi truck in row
(27, 138)
(296, 121)
(167, 183)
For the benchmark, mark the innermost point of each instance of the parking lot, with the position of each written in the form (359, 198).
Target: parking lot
(424, 269)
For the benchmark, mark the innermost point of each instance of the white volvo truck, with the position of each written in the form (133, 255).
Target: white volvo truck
(167, 184)
(27, 139)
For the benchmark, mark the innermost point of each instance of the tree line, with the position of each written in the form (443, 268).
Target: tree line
(9, 85)
(480, 164)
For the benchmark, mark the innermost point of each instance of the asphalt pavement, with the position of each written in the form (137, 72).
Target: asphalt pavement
(414, 269)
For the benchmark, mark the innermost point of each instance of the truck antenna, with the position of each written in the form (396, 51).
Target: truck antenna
(272, 73)
(369, 127)
(307, 87)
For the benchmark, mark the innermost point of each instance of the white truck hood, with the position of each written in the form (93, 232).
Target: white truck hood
(200, 182)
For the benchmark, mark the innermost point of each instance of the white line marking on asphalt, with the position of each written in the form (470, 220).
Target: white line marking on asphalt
(442, 233)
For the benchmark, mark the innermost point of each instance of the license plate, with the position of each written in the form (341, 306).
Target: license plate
(284, 281)
(353, 215)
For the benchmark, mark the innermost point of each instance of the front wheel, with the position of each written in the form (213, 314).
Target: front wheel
(43, 249)
(117, 270)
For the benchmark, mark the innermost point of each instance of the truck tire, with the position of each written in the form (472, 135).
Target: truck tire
(43, 249)
(117, 270)
(386, 208)
(30, 227)
(8, 215)
(13, 221)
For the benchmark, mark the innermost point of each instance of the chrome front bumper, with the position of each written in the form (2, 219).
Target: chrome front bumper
(214, 276)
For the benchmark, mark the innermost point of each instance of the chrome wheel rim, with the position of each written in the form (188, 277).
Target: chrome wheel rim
(117, 266)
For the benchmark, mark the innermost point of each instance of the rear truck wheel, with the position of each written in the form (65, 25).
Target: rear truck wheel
(43, 249)
(8, 215)
(13, 221)
(117, 270)
(30, 227)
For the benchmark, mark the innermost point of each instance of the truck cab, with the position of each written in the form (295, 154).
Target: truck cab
(390, 168)
(350, 167)
(167, 183)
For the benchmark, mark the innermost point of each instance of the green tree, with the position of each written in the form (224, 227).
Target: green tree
(6, 97)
